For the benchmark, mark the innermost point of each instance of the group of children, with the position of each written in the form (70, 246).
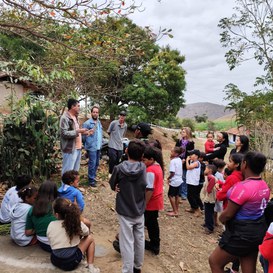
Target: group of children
(209, 195)
(52, 218)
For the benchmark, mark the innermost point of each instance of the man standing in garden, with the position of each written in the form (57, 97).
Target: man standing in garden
(117, 130)
(71, 140)
(92, 144)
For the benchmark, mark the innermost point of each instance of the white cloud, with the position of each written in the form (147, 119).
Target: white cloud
(196, 35)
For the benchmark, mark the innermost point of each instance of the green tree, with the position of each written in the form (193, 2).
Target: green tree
(248, 34)
(187, 122)
(159, 86)
(200, 119)
(255, 112)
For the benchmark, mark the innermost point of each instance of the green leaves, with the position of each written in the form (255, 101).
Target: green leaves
(28, 140)
(248, 34)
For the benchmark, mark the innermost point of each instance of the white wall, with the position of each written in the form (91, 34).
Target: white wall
(6, 90)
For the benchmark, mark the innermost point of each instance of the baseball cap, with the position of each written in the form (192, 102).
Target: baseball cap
(194, 152)
(144, 128)
(122, 113)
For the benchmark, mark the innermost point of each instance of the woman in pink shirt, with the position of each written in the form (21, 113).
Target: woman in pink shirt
(243, 218)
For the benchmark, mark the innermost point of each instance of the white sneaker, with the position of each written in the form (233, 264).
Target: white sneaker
(93, 269)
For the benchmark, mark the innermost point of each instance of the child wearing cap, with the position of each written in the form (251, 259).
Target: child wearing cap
(192, 178)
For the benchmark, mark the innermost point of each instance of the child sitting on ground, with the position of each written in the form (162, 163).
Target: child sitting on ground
(69, 190)
(40, 215)
(175, 180)
(153, 160)
(11, 197)
(69, 238)
(209, 194)
(18, 216)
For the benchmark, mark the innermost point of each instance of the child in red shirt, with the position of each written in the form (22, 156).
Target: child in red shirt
(236, 176)
(153, 160)
(209, 144)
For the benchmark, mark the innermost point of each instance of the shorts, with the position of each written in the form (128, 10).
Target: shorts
(241, 237)
(67, 264)
(173, 191)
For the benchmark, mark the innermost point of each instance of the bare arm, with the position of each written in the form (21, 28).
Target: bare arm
(229, 212)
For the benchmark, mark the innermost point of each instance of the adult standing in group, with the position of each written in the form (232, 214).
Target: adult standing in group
(220, 148)
(92, 144)
(187, 144)
(71, 140)
(142, 131)
(116, 130)
(241, 145)
(245, 224)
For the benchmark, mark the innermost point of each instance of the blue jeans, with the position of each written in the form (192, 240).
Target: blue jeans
(71, 161)
(183, 188)
(93, 163)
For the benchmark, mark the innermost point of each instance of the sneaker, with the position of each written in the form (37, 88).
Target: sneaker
(93, 269)
(116, 246)
(93, 185)
(137, 270)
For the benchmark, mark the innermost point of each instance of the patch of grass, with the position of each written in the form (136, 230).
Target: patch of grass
(219, 125)
(4, 229)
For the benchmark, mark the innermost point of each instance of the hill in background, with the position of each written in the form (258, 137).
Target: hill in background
(212, 110)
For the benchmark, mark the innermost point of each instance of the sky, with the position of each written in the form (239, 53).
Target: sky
(197, 37)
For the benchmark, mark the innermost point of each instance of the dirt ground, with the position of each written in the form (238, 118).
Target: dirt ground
(184, 246)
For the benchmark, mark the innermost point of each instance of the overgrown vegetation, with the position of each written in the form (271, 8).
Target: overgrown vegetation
(28, 140)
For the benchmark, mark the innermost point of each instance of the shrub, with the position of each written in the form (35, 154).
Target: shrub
(28, 141)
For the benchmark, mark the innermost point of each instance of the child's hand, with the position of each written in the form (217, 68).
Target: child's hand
(216, 149)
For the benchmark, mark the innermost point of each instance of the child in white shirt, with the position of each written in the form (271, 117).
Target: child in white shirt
(175, 180)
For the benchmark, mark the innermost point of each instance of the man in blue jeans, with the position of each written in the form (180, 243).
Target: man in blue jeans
(92, 144)
(71, 140)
